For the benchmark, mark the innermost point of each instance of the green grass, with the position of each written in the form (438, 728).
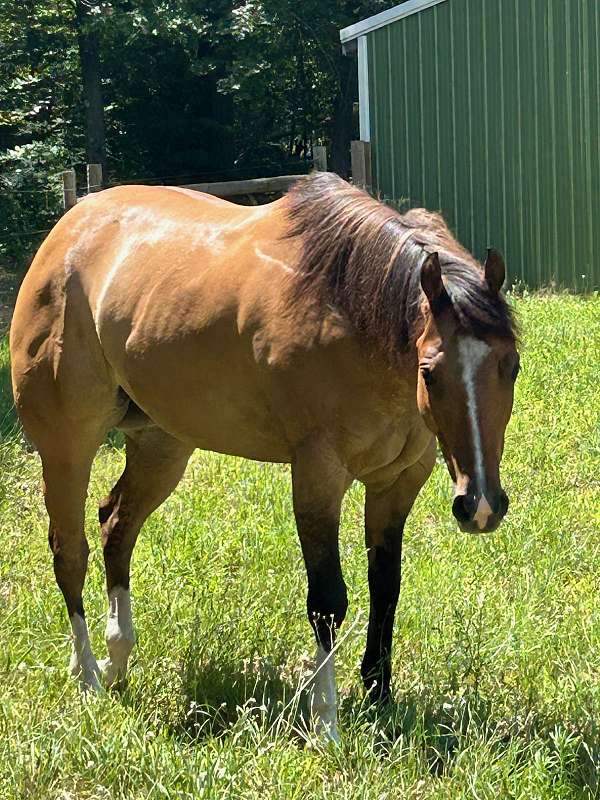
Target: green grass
(497, 642)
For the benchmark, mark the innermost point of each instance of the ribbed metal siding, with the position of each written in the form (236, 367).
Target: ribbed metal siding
(489, 110)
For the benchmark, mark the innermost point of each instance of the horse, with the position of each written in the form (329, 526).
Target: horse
(324, 330)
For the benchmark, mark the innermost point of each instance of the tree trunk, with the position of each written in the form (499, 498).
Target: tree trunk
(342, 128)
(88, 42)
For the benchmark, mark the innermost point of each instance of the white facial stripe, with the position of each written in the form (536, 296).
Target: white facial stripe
(483, 512)
(83, 664)
(120, 636)
(323, 699)
(472, 352)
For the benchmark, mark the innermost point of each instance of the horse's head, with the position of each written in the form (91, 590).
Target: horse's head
(465, 394)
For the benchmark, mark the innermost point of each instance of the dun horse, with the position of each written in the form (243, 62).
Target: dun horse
(323, 330)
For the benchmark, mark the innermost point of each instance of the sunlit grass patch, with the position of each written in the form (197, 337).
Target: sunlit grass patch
(497, 642)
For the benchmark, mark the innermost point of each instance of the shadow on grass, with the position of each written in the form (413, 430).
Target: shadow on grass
(222, 697)
(218, 696)
(442, 727)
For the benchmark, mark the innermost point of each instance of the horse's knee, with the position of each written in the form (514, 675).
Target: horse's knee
(327, 607)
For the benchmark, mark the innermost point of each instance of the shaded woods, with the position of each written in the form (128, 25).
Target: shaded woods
(168, 91)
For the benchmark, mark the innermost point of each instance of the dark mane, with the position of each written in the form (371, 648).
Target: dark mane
(364, 258)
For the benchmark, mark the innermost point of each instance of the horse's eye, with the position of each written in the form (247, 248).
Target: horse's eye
(428, 377)
(516, 370)
(509, 367)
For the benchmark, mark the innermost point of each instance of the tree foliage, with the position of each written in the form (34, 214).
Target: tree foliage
(189, 89)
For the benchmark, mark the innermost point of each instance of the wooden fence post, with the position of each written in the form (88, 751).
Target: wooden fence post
(319, 157)
(94, 177)
(360, 155)
(69, 188)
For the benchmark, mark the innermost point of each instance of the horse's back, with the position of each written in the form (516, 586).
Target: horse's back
(186, 305)
(155, 290)
(134, 246)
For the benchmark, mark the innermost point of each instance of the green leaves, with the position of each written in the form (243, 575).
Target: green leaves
(214, 90)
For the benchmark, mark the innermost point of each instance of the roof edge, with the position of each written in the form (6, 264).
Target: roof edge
(385, 18)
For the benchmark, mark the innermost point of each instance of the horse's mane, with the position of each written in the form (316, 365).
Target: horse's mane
(364, 259)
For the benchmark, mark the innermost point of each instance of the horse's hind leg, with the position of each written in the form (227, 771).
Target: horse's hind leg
(67, 399)
(67, 421)
(66, 469)
(154, 465)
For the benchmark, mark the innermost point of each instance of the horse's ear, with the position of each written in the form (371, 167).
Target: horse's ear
(431, 282)
(495, 271)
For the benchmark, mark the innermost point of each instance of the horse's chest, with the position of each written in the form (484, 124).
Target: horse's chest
(395, 446)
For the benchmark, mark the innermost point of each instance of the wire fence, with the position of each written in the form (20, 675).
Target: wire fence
(255, 170)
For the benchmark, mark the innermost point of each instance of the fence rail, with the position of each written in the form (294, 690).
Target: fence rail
(280, 183)
(237, 188)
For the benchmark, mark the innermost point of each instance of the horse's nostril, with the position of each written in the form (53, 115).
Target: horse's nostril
(500, 504)
(458, 508)
(503, 503)
(464, 507)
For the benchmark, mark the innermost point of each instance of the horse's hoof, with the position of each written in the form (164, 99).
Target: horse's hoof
(110, 674)
(88, 675)
(331, 736)
(377, 693)
(381, 699)
(92, 685)
(323, 738)
(89, 681)
(326, 732)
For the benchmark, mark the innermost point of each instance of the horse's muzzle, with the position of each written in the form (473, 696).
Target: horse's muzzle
(480, 513)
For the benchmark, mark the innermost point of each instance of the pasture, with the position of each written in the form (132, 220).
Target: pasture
(497, 639)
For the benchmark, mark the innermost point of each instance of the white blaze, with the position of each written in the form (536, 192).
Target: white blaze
(483, 512)
(323, 700)
(83, 664)
(120, 636)
(472, 352)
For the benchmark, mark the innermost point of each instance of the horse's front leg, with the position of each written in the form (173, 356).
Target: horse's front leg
(319, 483)
(385, 515)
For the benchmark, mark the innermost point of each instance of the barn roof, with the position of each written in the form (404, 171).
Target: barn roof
(384, 18)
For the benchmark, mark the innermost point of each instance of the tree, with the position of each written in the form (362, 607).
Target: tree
(88, 41)
(176, 90)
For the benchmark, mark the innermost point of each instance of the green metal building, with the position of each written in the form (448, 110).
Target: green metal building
(489, 111)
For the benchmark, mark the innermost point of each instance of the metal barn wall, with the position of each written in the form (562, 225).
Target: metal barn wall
(489, 110)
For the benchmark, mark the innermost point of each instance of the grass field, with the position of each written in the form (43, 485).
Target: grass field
(497, 643)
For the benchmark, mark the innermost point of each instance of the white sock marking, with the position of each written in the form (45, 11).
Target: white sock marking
(120, 636)
(323, 700)
(83, 664)
(472, 352)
